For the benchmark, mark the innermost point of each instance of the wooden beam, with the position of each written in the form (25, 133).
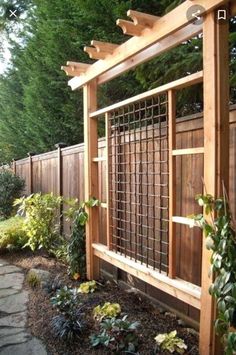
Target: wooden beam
(103, 205)
(216, 158)
(164, 27)
(91, 177)
(78, 65)
(163, 45)
(140, 18)
(94, 54)
(180, 289)
(172, 182)
(189, 80)
(99, 159)
(72, 71)
(185, 220)
(188, 151)
(104, 47)
(232, 8)
(109, 237)
(129, 28)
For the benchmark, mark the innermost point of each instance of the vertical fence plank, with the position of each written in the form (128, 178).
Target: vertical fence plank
(172, 181)
(91, 176)
(107, 179)
(216, 158)
(30, 174)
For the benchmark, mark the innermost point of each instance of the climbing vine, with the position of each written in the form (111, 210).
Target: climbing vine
(221, 239)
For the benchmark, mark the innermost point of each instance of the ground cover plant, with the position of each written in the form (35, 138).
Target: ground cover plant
(12, 235)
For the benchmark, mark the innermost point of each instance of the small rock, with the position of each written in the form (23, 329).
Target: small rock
(132, 290)
(44, 276)
(181, 322)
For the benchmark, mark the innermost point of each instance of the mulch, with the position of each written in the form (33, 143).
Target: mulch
(153, 320)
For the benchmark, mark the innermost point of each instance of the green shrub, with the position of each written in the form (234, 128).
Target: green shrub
(118, 335)
(76, 248)
(11, 187)
(33, 279)
(170, 342)
(41, 219)
(65, 300)
(108, 310)
(12, 235)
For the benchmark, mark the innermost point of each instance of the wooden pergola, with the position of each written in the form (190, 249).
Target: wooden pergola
(152, 36)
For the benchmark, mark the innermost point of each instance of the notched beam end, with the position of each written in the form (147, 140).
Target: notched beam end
(129, 28)
(143, 19)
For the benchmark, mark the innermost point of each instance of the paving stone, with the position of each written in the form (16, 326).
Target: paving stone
(14, 320)
(14, 303)
(10, 331)
(14, 339)
(7, 269)
(3, 262)
(31, 347)
(14, 280)
(7, 292)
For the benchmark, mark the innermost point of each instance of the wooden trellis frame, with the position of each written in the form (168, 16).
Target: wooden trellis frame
(152, 36)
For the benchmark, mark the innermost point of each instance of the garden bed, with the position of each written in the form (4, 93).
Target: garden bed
(153, 320)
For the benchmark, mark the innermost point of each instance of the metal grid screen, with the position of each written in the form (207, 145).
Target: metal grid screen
(138, 181)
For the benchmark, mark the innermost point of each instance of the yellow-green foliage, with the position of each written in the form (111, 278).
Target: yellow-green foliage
(171, 342)
(87, 287)
(108, 310)
(12, 235)
(33, 279)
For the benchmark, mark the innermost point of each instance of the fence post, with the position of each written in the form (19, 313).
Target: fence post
(30, 185)
(14, 166)
(59, 146)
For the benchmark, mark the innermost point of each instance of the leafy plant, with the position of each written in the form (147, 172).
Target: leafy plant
(41, 217)
(108, 310)
(221, 239)
(54, 285)
(59, 249)
(76, 248)
(33, 279)
(12, 235)
(87, 287)
(11, 187)
(68, 327)
(117, 335)
(170, 342)
(66, 299)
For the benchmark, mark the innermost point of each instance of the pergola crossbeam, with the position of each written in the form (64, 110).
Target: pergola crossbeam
(129, 28)
(166, 26)
(140, 18)
(104, 46)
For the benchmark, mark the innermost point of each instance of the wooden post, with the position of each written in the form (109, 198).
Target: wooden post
(172, 181)
(91, 176)
(107, 180)
(14, 166)
(30, 185)
(60, 180)
(216, 147)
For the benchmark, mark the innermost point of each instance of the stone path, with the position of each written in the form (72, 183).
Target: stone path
(15, 338)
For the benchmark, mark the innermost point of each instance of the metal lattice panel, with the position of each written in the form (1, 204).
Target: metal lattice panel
(138, 175)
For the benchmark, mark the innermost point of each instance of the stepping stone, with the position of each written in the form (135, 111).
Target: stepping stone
(7, 292)
(42, 275)
(14, 303)
(12, 280)
(14, 320)
(21, 337)
(31, 347)
(10, 331)
(3, 262)
(7, 269)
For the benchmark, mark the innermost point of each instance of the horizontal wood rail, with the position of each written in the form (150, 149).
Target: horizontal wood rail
(177, 84)
(98, 159)
(188, 151)
(182, 290)
(185, 220)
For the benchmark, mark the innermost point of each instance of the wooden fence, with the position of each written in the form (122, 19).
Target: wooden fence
(62, 172)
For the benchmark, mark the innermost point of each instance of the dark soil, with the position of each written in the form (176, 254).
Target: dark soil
(153, 320)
